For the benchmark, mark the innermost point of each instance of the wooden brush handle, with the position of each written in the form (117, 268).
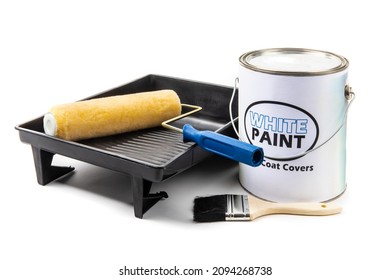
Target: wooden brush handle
(305, 208)
(260, 208)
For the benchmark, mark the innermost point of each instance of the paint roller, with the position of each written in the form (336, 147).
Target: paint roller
(130, 112)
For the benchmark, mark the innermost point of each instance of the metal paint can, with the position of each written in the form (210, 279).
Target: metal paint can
(293, 103)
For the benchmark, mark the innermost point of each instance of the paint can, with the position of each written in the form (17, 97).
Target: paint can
(293, 103)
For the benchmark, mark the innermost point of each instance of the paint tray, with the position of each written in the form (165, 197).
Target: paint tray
(146, 156)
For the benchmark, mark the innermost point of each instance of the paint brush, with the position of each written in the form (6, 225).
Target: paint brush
(233, 207)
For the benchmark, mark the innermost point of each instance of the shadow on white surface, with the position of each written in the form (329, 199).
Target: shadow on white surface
(215, 175)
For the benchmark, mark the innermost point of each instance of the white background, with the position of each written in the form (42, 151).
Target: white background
(82, 227)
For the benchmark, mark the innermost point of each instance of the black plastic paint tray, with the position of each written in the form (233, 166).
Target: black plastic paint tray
(146, 156)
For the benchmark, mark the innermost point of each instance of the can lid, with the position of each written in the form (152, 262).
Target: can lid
(294, 61)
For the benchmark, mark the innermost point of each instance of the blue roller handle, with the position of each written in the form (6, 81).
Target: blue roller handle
(225, 146)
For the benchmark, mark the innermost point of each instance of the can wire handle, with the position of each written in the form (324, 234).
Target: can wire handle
(349, 96)
(230, 108)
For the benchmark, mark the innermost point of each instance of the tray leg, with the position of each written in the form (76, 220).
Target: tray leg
(142, 199)
(43, 168)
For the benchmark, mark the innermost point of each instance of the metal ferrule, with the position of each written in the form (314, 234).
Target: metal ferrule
(237, 208)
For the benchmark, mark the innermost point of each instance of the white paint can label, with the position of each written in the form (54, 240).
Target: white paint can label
(285, 129)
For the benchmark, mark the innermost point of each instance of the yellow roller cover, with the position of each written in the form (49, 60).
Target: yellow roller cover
(111, 115)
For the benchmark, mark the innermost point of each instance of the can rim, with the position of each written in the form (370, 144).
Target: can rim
(246, 57)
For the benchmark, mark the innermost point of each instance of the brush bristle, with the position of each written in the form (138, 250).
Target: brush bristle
(210, 209)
